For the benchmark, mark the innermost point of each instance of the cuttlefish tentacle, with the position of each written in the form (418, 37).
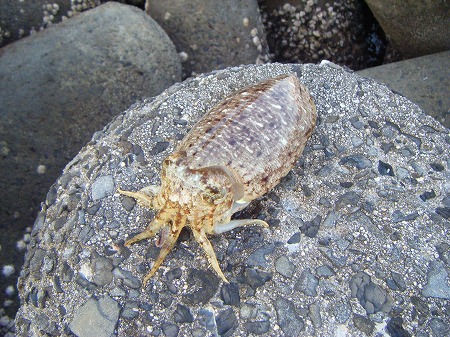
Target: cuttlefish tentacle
(166, 245)
(202, 239)
(144, 197)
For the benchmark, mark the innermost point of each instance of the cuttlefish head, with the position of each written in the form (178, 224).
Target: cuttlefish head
(197, 198)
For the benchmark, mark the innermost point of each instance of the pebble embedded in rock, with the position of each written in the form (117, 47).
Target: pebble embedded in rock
(257, 327)
(288, 319)
(371, 296)
(358, 161)
(284, 266)
(226, 322)
(229, 293)
(307, 283)
(170, 329)
(437, 281)
(96, 318)
(102, 187)
(182, 314)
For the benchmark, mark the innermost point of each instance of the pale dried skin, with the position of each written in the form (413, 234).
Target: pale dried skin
(236, 153)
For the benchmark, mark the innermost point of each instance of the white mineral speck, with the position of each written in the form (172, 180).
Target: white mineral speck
(245, 22)
(8, 270)
(183, 56)
(41, 169)
(10, 291)
(21, 245)
(167, 16)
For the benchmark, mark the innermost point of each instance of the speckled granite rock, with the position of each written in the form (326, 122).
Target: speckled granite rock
(358, 242)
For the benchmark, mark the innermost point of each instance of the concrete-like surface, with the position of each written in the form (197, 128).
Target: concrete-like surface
(424, 80)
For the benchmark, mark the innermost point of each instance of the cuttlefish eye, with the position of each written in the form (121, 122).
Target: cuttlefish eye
(213, 194)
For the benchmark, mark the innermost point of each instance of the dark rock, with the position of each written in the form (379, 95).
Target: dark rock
(427, 195)
(439, 327)
(295, 238)
(398, 216)
(102, 268)
(363, 324)
(385, 169)
(206, 284)
(226, 322)
(170, 329)
(437, 167)
(128, 278)
(311, 228)
(257, 327)
(358, 161)
(395, 328)
(436, 281)
(258, 257)
(182, 314)
(173, 274)
(396, 282)
(348, 198)
(443, 212)
(256, 278)
(288, 319)
(229, 293)
(159, 147)
(130, 310)
(372, 297)
(307, 283)
(425, 35)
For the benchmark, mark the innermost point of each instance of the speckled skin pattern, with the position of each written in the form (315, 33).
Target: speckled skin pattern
(236, 153)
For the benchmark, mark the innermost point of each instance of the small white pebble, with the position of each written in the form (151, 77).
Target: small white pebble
(21, 245)
(167, 16)
(27, 237)
(245, 22)
(183, 56)
(41, 169)
(4, 320)
(8, 270)
(7, 303)
(10, 291)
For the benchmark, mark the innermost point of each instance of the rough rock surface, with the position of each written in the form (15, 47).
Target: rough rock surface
(22, 18)
(214, 34)
(357, 244)
(61, 85)
(414, 27)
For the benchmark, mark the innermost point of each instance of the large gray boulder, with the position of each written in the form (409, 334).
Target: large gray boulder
(414, 27)
(357, 244)
(212, 34)
(61, 85)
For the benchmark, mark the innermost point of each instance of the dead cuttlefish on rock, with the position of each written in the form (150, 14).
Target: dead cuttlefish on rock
(236, 153)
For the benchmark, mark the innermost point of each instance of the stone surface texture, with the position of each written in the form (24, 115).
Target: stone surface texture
(414, 27)
(356, 245)
(424, 80)
(61, 85)
(22, 18)
(212, 34)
